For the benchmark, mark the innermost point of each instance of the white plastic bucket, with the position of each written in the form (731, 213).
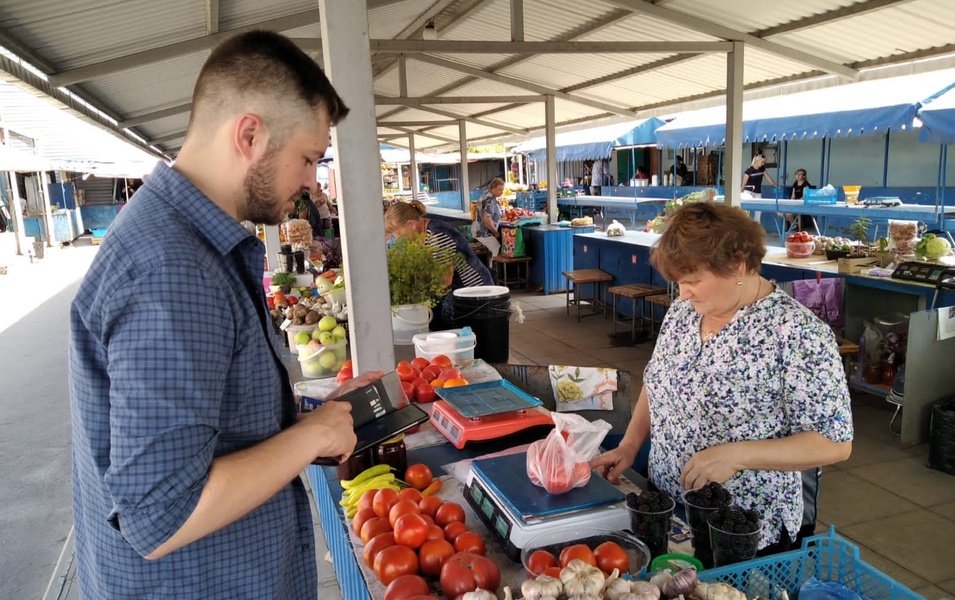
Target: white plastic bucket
(294, 329)
(456, 347)
(408, 320)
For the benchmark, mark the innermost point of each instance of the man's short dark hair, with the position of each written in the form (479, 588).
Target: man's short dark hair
(266, 73)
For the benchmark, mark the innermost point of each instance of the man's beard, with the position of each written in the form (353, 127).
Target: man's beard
(261, 205)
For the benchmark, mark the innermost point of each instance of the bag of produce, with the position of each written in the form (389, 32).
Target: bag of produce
(823, 298)
(561, 461)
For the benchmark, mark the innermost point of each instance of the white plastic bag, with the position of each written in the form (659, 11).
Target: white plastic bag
(561, 461)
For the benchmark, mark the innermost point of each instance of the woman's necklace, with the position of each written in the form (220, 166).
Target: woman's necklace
(707, 334)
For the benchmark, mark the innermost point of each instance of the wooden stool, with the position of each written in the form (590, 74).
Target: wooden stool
(635, 291)
(657, 300)
(583, 277)
(518, 282)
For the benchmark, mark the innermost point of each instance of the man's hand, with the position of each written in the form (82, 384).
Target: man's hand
(717, 463)
(332, 424)
(361, 381)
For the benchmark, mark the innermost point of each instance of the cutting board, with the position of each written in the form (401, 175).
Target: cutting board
(508, 480)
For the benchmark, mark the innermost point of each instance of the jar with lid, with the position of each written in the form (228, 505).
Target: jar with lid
(393, 452)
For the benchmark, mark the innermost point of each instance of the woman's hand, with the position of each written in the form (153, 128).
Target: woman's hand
(717, 463)
(614, 462)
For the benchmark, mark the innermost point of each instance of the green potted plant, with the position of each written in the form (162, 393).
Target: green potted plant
(283, 281)
(881, 249)
(417, 277)
(859, 230)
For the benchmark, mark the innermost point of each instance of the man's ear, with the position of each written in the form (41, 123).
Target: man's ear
(250, 137)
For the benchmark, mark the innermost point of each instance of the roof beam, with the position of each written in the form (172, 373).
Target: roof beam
(853, 10)
(436, 123)
(422, 19)
(481, 122)
(419, 100)
(153, 55)
(714, 29)
(169, 137)
(430, 135)
(517, 20)
(156, 115)
(489, 47)
(521, 84)
(212, 17)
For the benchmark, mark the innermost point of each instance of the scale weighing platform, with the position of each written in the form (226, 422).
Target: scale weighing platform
(486, 411)
(922, 272)
(517, 511)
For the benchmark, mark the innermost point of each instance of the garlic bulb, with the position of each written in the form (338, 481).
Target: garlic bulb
(615, 587)
(681, 584)
(645, 589)
(716, 591)
(479, 594)
(660, 578)
(543, 586)
(581, 579)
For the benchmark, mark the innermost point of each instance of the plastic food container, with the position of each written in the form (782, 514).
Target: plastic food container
(800, 249)
(327, 361)
(449, 343)
(293, 330)
(852, 193)
(636, 550)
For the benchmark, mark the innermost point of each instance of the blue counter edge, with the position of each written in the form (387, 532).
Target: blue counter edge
(344, 560)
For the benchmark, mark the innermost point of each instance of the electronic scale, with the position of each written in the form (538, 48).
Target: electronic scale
(882, 201)
(486, 411)
(518, 512)
(922, 272)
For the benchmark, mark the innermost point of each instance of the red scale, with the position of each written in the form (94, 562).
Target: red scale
(486, 411)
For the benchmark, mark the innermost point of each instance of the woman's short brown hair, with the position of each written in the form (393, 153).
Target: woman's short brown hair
(496, 182)
(400, 213)
(707, 236)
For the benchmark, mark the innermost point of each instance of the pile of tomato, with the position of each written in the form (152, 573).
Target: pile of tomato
(800, 237)
(420, 377)
(409, 538)
(606, 557)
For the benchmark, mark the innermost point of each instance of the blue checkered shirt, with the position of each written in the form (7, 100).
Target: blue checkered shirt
(172, 364)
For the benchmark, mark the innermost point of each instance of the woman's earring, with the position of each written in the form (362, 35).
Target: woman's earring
(739, 282)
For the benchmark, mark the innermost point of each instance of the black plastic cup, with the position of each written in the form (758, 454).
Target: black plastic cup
(730, 548)
(700, 530)
(653, 528)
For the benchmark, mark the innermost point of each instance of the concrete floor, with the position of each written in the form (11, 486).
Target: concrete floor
(901, 514)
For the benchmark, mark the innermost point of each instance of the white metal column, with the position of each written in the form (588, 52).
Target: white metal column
(465, 177)
(43, 178)
(733, 165)
(550, 138)
(345, 49)
(17, 210)
(413, 165)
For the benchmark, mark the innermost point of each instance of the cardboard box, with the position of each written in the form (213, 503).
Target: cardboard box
(855, 265)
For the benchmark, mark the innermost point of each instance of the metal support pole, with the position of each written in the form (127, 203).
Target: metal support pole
(734, 124)
(413, 165)
(822, 163)
(465, 176)
(41, 183)
(885, 160)
(785, 176)
(550, 118)
(347, 59)
(17, 209)
(517, 20)
(828, 159)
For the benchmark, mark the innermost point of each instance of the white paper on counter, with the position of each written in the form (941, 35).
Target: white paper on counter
(946, 323)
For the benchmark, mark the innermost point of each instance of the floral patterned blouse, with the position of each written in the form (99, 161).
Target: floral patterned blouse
(772, 372)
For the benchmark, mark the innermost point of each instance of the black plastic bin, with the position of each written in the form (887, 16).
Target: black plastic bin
(485, 309)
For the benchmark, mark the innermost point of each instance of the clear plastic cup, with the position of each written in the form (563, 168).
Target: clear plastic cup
(653, 528)
(700, 529)
(730, 548)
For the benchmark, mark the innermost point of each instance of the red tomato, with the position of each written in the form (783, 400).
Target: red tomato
(430, 374)
(346, 364)
(429, 520)
(577, 551)
(449, 512)
(581, 473)
(395, 561)
(469, 541)
(420, 363)
(344, 375)
(405, 372)
(552, 572)
(418, 476)
(406, 586)
(408, 389)
(611, 556)
(465, 572)
(411, 494)
(402, 507)
(435, 533)
(429, 505)
(441, 361)
(539, 561)
(411, 530)
(367, 499)
(790, 238)
(376, 545)
(402, 363)
(292, 300)
(450, 373)
(453, 529)
(383, 501)
(424, 393)
(360, 517)
(433, 555)
(374, 526)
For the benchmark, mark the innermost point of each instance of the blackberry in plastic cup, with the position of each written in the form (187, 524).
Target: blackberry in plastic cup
(700, 503)
(650, 519)
(734, 535)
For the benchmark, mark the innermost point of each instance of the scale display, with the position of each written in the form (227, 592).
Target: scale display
(924, 272)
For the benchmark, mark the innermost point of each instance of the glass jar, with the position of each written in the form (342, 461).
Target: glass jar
(394, 453)
(355, 464)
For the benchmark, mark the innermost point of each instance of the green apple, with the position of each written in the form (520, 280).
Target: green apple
(326, 338)
(339, 332)
(316, 333)
(302, 338)
(327, 323)
(328, 360)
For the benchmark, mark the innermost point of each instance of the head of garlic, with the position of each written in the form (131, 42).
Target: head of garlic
(579, 579)
(542, 587)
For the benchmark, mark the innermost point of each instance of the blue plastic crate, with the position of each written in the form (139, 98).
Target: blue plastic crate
(826, 557)
(810, 196)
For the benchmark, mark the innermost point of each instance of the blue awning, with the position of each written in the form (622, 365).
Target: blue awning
(863, 108)
(594, 143)
(938, 119)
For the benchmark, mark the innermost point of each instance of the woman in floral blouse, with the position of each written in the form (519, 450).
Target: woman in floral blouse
(745, 386)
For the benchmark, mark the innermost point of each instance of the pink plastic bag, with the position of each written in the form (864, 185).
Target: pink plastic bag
(561, 461)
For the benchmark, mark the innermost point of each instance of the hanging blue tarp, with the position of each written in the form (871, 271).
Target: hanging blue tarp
(863, 108)
(938, 119)
(594, 143)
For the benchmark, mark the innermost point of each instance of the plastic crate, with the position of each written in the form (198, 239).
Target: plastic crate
(810, 196)
(826, 557)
